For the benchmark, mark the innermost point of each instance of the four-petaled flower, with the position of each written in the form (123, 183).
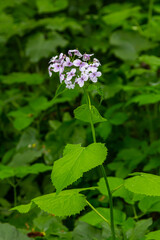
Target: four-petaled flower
(71, 74)
(81, 80)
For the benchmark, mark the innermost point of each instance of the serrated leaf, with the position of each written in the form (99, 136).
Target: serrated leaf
(153, 235)
(23, 208)
(83, 113)
(94, 219)
(144, 183)
(75, 162)
(66, 203)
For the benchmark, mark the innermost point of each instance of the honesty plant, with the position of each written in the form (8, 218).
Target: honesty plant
(75, 69)
(79, 69)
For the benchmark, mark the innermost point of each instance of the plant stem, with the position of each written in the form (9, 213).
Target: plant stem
(150, 10)
(97, 212)
(101, 167)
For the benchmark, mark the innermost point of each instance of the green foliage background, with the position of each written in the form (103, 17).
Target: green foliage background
(35, 126)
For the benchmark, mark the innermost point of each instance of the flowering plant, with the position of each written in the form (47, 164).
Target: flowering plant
(75, 71)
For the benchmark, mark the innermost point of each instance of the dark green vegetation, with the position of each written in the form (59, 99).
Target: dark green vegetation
(35, 126)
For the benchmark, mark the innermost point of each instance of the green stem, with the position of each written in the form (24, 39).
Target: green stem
(102, 167)
(97, 212)
(150, 10)
(135, 213)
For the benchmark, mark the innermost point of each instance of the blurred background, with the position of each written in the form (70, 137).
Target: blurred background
(125, 37)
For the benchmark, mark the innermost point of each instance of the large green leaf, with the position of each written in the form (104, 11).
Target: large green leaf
(94, 219)
(65, 203)
(83, 113)
(144, 183)
(38, 47)
(127, 45)
(75, 162)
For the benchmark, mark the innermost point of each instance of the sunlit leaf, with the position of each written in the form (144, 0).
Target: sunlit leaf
(75, 162)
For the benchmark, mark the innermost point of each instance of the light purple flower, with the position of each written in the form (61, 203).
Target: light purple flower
(62, 77)
(71, 74)
(79, 63)
(93, 76)
(61, 57)
(68, 63)
(53, 59)
(58, 67)
(81, 80)
(95, 60)
(75, 51)
(86, 56)
(80, 70)
(92, 68)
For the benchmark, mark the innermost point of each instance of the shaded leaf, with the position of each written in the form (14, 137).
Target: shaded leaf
(83, 113)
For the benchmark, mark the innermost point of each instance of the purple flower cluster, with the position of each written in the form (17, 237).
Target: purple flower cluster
(75, 71)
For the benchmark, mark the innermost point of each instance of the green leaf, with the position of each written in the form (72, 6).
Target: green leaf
(127, 45)
(38, 47)
(140, 229)
(94, 219)
(9, 232)
(117, 18)
(19, 77)
(84, 231)
(7, 171)
(24, 208)
(28, 156)
(83, 113)
(51, 5)
(104, 129)
(149, 204)
(144, 183)
(144, 99)
(117, 188)
(153, 235)
(75, 162)
(118, 118)
(66, 203)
